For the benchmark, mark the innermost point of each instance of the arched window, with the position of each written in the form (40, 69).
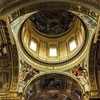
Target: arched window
(72, 44)
(33, 45)
(52, 51)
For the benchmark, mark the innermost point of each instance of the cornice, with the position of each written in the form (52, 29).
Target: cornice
(16, 4)
(53, 5)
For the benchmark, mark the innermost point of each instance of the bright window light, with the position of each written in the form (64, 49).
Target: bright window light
(33, 45)
(72, 45)
(53, 52)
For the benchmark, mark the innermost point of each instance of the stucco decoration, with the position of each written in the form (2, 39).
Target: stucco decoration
(26, 72)
(81, 73)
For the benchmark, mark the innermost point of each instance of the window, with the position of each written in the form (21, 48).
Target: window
(53, 52)
(33, 45)
(72, 45)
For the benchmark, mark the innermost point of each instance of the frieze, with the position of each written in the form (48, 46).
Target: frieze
(52, 6)
(4, 2)
(10, 96)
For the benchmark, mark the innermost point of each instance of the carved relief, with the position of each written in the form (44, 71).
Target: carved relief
(3, 43)
(4, 81)
(5, 59)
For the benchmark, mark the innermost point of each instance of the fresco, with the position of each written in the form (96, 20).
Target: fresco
(26, 72)
(53, 87)
(53, 83)
(81, 73)
(76, 92)
(53, 95)
(52, 22)
(30, 92)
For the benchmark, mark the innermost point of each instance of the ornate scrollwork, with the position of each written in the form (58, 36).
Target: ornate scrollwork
(26, 72)
(81, 73)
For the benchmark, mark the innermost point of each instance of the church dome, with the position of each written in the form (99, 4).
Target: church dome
(53, 23)
(53, 37)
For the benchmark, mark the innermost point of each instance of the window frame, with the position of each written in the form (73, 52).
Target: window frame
(70, 41)
(34, 41)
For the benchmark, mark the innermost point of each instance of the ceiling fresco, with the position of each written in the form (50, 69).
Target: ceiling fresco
(53, 87)
(49, 50)
(52, 23)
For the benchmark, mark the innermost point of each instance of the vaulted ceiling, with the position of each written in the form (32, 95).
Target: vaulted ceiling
(49, 50)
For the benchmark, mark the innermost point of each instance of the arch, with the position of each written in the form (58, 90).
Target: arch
(62, 73)
(8, 60)
(66, 76)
